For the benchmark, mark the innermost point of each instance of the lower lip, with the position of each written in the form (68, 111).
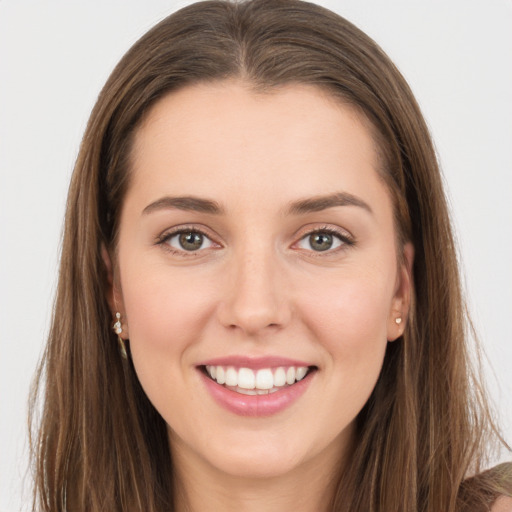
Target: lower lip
(257, 405)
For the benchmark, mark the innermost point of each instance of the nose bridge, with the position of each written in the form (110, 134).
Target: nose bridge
(256, 298)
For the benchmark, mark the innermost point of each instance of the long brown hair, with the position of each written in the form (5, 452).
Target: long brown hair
(101, 445)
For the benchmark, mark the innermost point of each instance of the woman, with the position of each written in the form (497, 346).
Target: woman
(259, 305)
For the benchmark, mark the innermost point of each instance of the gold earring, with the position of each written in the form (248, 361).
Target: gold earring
(118, 329)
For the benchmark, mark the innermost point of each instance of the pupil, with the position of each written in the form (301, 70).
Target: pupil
(321, 241)
(191, 241)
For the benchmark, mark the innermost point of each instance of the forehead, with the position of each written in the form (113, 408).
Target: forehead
(202, 104)
(226, 137)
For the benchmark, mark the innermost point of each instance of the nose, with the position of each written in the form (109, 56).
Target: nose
(255, 298)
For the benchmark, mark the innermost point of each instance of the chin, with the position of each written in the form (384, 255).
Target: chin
(257, 466)
(262, 454)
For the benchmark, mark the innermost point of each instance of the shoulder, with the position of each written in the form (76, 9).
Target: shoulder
(502, 504)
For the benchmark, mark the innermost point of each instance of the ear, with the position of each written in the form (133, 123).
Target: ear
(113, 292)
(401, 302)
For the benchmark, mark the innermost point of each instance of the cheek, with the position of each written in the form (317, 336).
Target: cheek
(350, 318)
(165, 311)
(348, 322)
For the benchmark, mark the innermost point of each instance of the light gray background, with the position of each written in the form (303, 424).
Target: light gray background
(56, 55)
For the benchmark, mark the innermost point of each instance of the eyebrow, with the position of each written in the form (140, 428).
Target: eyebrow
(302, 206)
(319, 203)
(186, 203)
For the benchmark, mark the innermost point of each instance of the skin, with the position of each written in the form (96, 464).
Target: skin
(502, 504)
(256, 287)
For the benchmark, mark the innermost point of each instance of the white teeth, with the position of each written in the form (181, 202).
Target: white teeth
(246, 391)
(290, 375)
(260, 382)
(264, 379)
(221, 375)
(301, 372)
(279, 377)
(246, 378)
(231, 377)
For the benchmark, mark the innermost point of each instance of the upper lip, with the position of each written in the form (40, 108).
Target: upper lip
(254, 363)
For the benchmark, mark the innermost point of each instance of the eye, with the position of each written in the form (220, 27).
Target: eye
(188, 240)
(321, 241)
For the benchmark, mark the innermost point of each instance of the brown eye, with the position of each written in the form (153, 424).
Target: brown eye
(191, 241)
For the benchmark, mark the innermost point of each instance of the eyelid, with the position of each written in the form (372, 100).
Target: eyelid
(343, 235)
(169, 233)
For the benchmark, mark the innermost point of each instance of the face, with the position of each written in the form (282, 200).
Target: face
(258, 275)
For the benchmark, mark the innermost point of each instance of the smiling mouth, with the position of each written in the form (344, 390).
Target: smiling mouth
(257, 382)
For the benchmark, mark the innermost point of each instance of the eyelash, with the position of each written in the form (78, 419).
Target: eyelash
(165, 237)
(345, 239)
